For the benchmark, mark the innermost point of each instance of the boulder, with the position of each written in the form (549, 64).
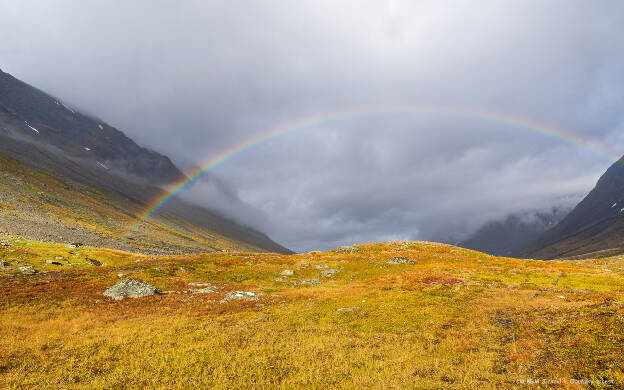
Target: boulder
(328, 273)
(93, 262)
(26, 269)
(130, 288)
(245, 295)
(347, 250)
(205, 290)
(54, 262)
(400, 260)
(348, 309)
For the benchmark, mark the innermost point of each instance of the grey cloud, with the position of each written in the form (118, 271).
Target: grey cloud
(190, 79)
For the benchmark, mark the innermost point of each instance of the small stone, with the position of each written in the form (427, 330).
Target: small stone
(311, 281)
(120, 275)
(244, 295)
(281, 280)
(304, 265)
(200, 284)
(400, 260)
(59, 258)
(93, 262)
(347, 250)
(26, 269)
(130, 288)
(320, 266)
(347, 309)
(328, 273)
(4, 263)
(182, 269)
(205, 290)
(288, 272)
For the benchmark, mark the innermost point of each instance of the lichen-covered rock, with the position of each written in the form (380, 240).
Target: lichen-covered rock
(205, 290)
(26, 269)
(54, 262)
(246, 295)
(130, 288)
(93, 262)
(400, 260)
(328, 273)
(347, 250)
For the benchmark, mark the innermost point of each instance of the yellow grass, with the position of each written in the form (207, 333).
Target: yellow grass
(455, 319)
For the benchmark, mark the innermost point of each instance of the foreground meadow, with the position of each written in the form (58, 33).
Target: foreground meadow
(388, 315)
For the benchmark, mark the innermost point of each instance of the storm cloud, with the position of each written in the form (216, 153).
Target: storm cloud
(190, 79)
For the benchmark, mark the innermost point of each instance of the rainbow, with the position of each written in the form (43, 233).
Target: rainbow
(338, 115)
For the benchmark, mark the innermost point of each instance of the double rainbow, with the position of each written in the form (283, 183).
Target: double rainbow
(338, 115)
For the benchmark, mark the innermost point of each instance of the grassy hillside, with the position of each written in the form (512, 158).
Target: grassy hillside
(48, 197)
(454, 319)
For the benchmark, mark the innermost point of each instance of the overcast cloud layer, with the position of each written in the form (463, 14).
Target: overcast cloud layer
(191, 78)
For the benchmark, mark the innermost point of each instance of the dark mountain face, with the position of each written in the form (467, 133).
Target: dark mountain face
(65, 177)
(44, 119)
(503, 238)
(595, 224)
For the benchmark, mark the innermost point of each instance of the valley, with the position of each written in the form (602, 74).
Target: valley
(392, 314)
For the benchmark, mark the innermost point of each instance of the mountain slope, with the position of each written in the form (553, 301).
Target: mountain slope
(595, 225)
(67, 177)
(502, 238)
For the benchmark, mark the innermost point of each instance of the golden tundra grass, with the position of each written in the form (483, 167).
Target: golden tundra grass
(455, 319)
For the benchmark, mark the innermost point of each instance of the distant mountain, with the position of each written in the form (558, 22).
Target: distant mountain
(515, 232)
(31, 112)
(66, 176)
(595, 225)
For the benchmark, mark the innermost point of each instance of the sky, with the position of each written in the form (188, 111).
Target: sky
(191, 79)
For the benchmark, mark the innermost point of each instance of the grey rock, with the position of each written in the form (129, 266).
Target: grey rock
(288, 272)
(130, 288)
(320, 266)
(311, 281)
(93, 262)
(205, 290)
(182, 269)
(238, 295)
(54, 262)
(347, 250)
(4, 263)
(400, 260)
(347, 309)
(26, 269)
(328, 273)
